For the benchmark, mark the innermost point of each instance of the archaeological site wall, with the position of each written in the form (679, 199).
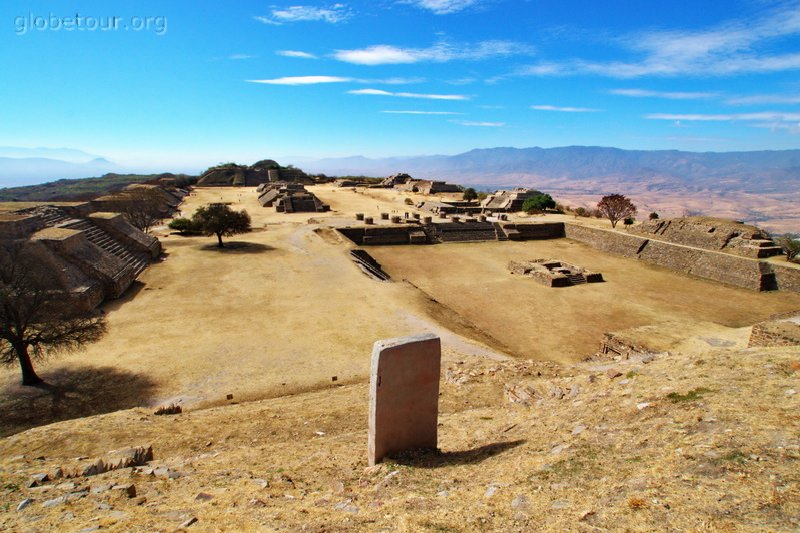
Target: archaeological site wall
(787, 278)
(717, 266)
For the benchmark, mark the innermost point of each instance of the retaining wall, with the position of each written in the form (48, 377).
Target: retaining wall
(716, 266)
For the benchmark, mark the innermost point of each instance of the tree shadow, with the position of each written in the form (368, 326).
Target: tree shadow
(237, 247)
(422, 458)
(70, 392)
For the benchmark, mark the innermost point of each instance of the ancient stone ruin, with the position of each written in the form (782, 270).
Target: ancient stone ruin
(92, 256)
(404, 395)
(711, 234)
(290, 198)
(265, 171)
(428, 186)
(779, 330)
(507, 201)
(368, 265)
(554, 273)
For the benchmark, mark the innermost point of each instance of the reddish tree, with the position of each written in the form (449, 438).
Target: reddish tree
(616, 207)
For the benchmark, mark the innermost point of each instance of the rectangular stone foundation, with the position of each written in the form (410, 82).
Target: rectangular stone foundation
(404, 395)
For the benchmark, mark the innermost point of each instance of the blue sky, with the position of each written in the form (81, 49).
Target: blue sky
(185, 84)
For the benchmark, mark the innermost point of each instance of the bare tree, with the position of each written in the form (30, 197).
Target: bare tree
(790, 245)
(33, 322)
(143, 207)
(616, 207)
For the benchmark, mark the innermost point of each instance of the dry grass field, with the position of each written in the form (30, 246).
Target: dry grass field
(703, 437)
(283, 309)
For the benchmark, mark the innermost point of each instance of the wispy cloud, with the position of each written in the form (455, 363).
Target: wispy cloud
(239, 57)
(771, 116)
(764, 99)
(670, 95)
(732, 48)
(442, 7)
(384, 54)
(302, 80)
(296, 53)
(333, 14)
(380, 92)
(479, 124)
(399, 112)
(564, 109)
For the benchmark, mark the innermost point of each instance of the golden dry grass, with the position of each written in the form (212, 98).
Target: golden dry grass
(705, 438)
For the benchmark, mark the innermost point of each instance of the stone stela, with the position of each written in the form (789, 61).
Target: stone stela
(404, 395)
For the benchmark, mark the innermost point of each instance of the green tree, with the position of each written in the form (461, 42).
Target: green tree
(616, 207)
(220, 220)
(183, 225)
(470, 194)
(33, 318)
(538, 202)
(653, 216)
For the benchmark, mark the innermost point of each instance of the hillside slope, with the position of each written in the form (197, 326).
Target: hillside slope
(702, 440)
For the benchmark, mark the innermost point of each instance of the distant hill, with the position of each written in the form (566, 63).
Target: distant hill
(761, 187)
(16, 171)
(80, 189)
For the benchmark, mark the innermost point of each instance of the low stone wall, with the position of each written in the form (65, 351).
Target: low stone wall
(775, 333)
(18, 226)
(532, 231)
(374, 235)
(607, 241)
(716, 266)
(786, 278)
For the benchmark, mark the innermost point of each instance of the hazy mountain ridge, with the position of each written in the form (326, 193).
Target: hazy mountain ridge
(585, 162)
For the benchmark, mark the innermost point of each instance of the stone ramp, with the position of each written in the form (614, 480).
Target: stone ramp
(369, 265)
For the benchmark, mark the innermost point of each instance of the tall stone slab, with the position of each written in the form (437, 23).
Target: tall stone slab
(404, 395)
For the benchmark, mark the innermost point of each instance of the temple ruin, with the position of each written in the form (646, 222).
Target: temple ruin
(90, 255)
(554, 273)
(290, 198)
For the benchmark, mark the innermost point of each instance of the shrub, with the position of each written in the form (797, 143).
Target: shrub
(538, 202)
(184, 226)
(653, 216)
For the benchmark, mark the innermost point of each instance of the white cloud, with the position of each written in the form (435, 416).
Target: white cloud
(564, 109)
(422, 112)
(302, 80)
(333, 14)
(296, 53)
(384, 54)
(442, 7)
(379, 92)
(735, 47)
(764, 99)
(479, 124)
(772, 116)
(670, 95)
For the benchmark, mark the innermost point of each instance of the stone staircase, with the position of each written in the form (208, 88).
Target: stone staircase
(434, 237)
(136, 262)
(576, 279)
(500, 235)
(368, 265)
(58, 218)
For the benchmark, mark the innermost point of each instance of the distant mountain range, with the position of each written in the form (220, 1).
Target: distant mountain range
(756, 171)
(761, 187)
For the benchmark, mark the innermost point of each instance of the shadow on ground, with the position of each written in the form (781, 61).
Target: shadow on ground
(113, 305)
(438, 459)
(70, 392)
(237, 247)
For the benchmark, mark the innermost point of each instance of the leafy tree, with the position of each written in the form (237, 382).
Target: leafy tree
(581, 212)
(653, 216)
(220, 220)
(790, 245)
(183, 225)
(616, 207)
(538, 202)
(470, 194)
(629, 221)
(33, 322)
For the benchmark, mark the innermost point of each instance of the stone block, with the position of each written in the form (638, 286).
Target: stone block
(404, 395)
